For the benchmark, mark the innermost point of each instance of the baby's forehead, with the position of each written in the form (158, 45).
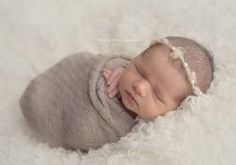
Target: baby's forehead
(156, 50)
(159, 57)
(155, 56)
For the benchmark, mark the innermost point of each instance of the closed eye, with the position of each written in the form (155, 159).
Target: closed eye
(153, 91)
(139, 72)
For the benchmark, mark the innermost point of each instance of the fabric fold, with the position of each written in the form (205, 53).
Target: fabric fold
(69, 107)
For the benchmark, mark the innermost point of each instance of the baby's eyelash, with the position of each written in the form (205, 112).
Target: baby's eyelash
(141, 74)
(153, 92)
(138, 71)
(153, 95)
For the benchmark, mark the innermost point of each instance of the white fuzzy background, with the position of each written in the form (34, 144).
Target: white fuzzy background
(35, 34)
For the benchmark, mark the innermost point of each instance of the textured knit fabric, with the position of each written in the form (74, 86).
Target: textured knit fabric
(69, 107)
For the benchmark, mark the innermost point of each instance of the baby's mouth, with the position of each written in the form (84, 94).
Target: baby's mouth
(131, 97)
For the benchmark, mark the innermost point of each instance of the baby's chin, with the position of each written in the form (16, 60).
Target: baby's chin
(129, 109)
(129, 104)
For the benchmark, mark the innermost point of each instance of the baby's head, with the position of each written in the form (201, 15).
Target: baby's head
(159, 82)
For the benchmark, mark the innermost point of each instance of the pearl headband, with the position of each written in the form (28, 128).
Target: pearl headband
(178, 52)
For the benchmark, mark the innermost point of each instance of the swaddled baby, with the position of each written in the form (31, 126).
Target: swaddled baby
(161, 77)
(85, 101)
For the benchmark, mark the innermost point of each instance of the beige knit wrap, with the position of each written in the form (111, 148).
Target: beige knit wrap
(68, 107)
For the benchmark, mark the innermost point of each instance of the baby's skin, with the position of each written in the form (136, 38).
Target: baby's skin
(112, 79)
(151, 84)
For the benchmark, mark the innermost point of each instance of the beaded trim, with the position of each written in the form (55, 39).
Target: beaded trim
(178, 52)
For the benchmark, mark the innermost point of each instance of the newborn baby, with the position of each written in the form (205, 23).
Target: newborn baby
(154, 83)
(86, 101)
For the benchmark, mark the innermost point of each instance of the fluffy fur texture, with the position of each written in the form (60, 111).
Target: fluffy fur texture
(201, 132)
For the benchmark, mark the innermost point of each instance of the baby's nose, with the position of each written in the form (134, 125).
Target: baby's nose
(140, 88)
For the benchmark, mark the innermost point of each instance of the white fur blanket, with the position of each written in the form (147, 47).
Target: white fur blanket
(37, 34)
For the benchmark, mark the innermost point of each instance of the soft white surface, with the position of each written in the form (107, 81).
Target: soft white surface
(34, 34)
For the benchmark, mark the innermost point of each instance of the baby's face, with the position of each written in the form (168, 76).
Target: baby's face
(156, 82)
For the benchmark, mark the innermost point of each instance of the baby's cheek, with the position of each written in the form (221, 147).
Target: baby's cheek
(124, 80)
(149, 111)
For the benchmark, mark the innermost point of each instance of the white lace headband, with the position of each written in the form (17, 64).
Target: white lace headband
(178, 52)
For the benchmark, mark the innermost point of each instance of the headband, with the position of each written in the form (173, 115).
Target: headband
(178, 52)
